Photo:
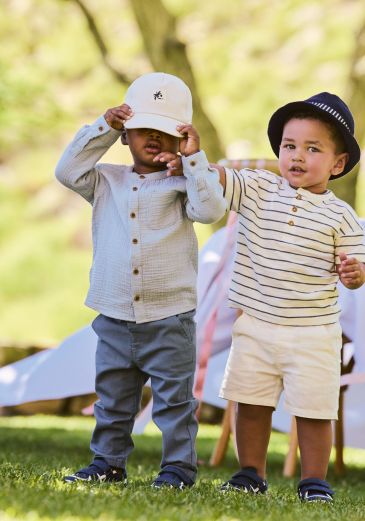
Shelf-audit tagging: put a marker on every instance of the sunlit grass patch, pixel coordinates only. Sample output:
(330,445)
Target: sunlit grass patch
(36,452)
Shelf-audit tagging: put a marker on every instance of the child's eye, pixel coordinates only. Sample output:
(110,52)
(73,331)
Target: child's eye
(313,149)
(289,146)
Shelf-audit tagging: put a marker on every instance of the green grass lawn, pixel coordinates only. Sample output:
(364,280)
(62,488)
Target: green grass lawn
(35,452)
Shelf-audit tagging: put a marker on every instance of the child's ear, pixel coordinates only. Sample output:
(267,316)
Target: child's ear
(123,137)
(340,164)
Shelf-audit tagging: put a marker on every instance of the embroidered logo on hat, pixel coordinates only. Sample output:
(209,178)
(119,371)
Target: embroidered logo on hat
(160,101)
(158,95)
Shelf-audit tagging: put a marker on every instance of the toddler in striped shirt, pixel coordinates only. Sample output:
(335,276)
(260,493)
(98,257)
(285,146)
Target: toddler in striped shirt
(295,241)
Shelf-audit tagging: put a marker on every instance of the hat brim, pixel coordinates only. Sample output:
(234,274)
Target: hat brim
(281,116)
(155,121)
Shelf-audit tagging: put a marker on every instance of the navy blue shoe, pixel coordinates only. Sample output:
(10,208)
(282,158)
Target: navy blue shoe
(172,477)
(247,481)
(98,471)
(315,490)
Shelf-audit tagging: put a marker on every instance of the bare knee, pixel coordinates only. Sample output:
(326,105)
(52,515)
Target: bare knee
(254,412)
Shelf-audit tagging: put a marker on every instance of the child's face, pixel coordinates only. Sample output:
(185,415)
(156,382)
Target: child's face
(145,144)
(307,156)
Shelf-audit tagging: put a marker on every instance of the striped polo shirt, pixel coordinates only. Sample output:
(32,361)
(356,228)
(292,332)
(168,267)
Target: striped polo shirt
(288,241)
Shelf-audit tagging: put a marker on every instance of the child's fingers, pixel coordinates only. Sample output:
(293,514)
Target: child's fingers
(350,274)
(164,157)
(183,129)
(351,262)
(121,115)
(187,130)
(175,163)
(125,109)
(118,115)
(342,256)
(350,266)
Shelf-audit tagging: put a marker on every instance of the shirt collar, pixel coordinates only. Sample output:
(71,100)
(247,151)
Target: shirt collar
(306,194)
(153,176)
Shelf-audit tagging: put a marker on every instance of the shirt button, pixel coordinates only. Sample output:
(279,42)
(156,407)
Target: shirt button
(299,197)
(294,209)
(291,223)
(136,298)
(135,189)
(135,241)
(142,177)
(101,128)
(192,163)
(132,214)
(135,271)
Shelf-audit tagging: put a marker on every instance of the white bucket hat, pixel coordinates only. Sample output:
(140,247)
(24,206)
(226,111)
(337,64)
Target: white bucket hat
(159,101)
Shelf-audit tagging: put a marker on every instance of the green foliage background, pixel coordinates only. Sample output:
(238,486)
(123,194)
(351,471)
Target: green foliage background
(249,57)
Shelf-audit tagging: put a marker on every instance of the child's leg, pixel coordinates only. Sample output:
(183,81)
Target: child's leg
(119,386)
(315,443)
(252,375)
(168,356)
(253,428)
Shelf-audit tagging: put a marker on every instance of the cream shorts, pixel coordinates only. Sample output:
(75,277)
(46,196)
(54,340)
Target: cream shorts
(304,362)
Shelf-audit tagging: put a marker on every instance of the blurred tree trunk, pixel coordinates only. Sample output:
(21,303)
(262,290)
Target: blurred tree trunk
(168,54)
(345,188)
(100,43)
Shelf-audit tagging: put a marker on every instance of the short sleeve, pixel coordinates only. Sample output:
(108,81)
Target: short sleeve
(350,237)
(237,182)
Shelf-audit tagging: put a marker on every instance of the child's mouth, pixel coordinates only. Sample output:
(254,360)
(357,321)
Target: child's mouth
(296,170)
(153,148)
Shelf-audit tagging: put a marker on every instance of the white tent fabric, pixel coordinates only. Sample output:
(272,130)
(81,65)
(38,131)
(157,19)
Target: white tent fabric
(69,370)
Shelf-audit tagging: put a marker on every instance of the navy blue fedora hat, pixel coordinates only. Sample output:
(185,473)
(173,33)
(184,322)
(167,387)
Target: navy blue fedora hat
(335,110)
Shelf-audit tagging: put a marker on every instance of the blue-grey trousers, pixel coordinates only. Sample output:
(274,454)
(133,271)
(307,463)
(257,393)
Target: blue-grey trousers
(127,355)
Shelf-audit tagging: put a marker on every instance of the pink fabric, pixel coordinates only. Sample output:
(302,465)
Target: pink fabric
(219,285)
(352,378)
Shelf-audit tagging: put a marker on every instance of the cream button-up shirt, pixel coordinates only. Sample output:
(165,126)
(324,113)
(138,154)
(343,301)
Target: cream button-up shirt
(144,246)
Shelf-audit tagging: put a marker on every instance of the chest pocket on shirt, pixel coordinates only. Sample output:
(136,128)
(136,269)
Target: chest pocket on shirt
(163,210)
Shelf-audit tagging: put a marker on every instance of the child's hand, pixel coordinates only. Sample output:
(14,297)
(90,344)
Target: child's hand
(351,272)
(117,116)
(190,143)
(173,163)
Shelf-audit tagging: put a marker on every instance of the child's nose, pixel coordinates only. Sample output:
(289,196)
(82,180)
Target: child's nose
(297,155)
(156,134)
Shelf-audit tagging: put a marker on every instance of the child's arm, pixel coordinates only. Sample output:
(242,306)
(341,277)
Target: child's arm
(205,201)
(76,168)
(175,167)
(350,271)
